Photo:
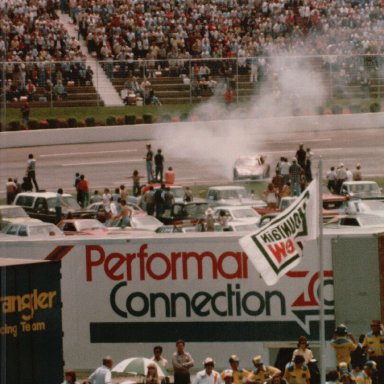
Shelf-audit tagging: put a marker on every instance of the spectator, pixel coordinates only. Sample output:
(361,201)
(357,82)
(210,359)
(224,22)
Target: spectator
(25,110)
(60,91)
(159,166)
(102,375)
(83,187)
(31,171)
(357,174)
(208,375)
(170,176)
(10,188)
(182,361)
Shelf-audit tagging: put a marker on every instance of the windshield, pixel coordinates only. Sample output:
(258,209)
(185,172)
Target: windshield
(244,213)
(195,210)
(13,212)
(44,230)
(364,188)
(233,194)
(70,204)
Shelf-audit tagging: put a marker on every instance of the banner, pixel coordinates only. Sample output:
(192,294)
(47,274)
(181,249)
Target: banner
(275,249)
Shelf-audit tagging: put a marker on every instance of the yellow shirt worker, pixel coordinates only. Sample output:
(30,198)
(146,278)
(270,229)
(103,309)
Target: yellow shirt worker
(374,340)
(238,374)
(262,373)
(296,372)
(343,344)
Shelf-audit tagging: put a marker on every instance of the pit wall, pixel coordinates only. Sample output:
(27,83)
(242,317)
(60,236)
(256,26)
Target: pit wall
(151,131)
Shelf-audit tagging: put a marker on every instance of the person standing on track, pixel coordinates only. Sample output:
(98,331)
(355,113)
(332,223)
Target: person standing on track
(149,163)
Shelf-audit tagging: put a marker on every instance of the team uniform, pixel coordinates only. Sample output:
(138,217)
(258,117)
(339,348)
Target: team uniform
(295,375)
(238,376)
(343,347)
(261,375)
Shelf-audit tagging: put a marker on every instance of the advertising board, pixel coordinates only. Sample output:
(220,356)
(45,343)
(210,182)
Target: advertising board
(121,296)
(30,323)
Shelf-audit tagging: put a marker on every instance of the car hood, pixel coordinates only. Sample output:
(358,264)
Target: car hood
(246,201)
(249,171)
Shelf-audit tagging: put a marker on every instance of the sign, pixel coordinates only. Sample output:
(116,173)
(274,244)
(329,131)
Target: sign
(274,249)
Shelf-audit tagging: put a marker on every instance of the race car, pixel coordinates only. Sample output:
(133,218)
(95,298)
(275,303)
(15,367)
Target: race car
(251,167)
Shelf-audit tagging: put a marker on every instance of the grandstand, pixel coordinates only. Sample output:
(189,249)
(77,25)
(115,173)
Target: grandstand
(188,51)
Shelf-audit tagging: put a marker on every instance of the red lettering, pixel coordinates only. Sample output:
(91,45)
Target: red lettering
(245,265)
(130,258)
(174,257)
(237,257)
(290,246)
(167,263)
(112,263)
(142,255)
(199,259)
(88,259)
(278,251)
(282,249)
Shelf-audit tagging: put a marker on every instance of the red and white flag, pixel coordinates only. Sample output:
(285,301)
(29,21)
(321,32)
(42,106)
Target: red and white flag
(274,250)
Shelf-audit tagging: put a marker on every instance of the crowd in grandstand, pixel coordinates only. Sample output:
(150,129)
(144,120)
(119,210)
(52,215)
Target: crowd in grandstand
(38,47)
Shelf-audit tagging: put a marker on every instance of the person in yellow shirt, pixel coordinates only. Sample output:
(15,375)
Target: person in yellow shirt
(262,373)
(296,372)
(374,345)
(343,343)
(238,374)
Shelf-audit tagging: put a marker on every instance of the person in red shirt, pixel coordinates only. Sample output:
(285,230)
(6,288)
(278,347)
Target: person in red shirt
(170,176)
(83,187)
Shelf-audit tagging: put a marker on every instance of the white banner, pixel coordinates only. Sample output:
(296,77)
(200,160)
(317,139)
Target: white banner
(275,249)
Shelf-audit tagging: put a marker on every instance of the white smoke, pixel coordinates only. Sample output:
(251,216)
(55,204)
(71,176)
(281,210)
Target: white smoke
(293,87)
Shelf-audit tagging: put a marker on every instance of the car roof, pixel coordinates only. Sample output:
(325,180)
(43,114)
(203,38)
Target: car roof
(359,182)
(9,206)
(41,194)
(227,187)
(231,207)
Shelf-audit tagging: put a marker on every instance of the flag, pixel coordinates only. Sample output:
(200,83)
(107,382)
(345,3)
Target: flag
(275,249)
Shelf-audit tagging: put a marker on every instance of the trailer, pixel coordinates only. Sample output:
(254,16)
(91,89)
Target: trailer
(124,294)
(30,322)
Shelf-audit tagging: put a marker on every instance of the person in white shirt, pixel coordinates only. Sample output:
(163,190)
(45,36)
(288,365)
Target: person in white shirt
(102,375)
(303,350)
(208,375)
(157,356)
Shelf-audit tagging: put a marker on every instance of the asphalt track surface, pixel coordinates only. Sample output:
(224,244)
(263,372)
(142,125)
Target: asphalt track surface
(111,164)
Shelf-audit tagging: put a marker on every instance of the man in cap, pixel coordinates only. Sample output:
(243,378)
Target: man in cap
(208,375)
(102,375)
(227,376)
(357,175)
(238,374)
(374,345)
(341,176)
(262,372)
(297,372)
(343,343)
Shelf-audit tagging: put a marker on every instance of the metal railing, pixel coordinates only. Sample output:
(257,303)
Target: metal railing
(177,80)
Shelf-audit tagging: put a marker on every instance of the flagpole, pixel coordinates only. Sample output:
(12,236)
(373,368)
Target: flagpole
(321,277)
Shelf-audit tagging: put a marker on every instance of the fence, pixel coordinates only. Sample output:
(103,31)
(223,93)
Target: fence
(295,80)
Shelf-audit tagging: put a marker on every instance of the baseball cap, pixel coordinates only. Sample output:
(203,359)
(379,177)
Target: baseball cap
(208,360)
